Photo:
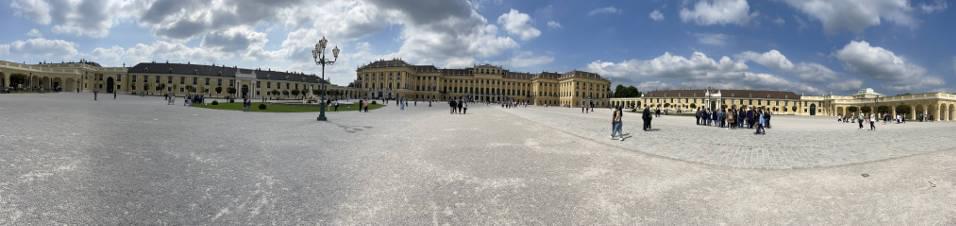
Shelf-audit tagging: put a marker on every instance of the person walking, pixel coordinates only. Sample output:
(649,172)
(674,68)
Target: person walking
(761,120)
(872,122)
(94,94)
(647,116)
(464,107)
(114,94)
(616,124)
(860,121)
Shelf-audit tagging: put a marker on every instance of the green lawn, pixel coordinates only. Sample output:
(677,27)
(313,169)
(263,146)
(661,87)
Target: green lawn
(286,107)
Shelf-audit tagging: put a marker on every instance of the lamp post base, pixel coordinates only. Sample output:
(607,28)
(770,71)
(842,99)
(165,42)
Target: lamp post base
(322,113)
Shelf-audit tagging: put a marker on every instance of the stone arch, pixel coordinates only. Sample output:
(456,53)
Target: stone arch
(841,111)
(3,81)
(57,84)
(943,112)
(813,109)
(110,85)
(19,81)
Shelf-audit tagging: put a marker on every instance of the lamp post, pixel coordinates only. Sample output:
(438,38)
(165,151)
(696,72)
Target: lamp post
(318,55)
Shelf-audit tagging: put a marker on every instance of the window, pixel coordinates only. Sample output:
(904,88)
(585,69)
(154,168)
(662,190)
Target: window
(219,82)
(133,78)
(182,80)
(207,81)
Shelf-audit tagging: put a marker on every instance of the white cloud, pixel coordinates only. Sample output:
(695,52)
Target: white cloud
(39,47)
(714,39)
(884,65)
(529,59)
(771,59)
(605,10)
(699,70)
(34,33)
(722,12)
(554,25)
(854,15)
(779,21)
(656,15)
(234,39)
(936,6)
(90,18)
(774,59)
(517,23)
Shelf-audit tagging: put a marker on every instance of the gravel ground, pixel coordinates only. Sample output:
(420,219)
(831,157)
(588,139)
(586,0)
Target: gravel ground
(69,160)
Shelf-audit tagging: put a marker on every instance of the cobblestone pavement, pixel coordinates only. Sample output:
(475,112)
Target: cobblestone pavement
(793,142)
(69,160)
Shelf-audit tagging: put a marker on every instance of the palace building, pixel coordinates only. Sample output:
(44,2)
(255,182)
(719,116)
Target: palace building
(935,106)
(485,83)
(165,78)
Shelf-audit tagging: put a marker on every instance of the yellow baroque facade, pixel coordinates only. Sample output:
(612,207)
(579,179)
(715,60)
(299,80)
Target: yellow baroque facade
(165,78)
(390,79)
(934,106)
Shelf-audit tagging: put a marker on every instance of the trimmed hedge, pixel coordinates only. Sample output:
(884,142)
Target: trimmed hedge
(215,102)
(262,106)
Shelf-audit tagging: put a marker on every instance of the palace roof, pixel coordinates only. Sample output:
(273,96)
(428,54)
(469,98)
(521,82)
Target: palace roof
(725,93)
(219,71)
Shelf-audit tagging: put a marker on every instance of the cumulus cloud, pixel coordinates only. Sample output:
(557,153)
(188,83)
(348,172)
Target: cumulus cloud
(884,65)
(806,72)
(695,71)
(233,39)
(34,33)
(89,18)
(518,23)
(656,15)
(855,16)
(39,47)
(718,12)
(605,10)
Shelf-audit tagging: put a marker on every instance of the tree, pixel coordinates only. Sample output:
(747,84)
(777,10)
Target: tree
(218,91)
(295,92)
(316,92)
(285,92)
(231,91)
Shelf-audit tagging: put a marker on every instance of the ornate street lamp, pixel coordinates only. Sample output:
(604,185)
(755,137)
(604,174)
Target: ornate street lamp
(318,55)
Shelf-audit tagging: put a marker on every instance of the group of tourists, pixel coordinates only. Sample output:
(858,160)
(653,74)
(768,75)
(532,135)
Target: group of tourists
(458,106)
(617,122)
(587,107)
(513,104)
(363,105)
(735,118)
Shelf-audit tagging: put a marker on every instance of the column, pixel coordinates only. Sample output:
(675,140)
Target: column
(912,115)
(936,116)
(893,111)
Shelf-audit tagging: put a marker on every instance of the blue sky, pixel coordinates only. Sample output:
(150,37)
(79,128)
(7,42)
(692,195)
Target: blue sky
(805,46)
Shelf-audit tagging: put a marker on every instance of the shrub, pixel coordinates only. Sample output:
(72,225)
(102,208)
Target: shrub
(262,106)
(215,102)
(231,100)
(374,102)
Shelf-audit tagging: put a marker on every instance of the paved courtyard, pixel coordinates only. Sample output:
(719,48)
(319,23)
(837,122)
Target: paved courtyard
(65,159)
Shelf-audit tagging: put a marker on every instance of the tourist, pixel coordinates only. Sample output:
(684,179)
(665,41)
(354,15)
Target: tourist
(860,121)
(760,123)
(461,107)
(616,124)
(646,116)
(768,115)
(730,118)
(872,122)
(114,94)
(452,105)
(697,115)
(94,94)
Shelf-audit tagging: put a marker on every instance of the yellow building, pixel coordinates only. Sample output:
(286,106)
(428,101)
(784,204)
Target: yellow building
(391,79)
(936,106)
(166,78)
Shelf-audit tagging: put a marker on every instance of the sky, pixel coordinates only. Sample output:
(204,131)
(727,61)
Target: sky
(811,47)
